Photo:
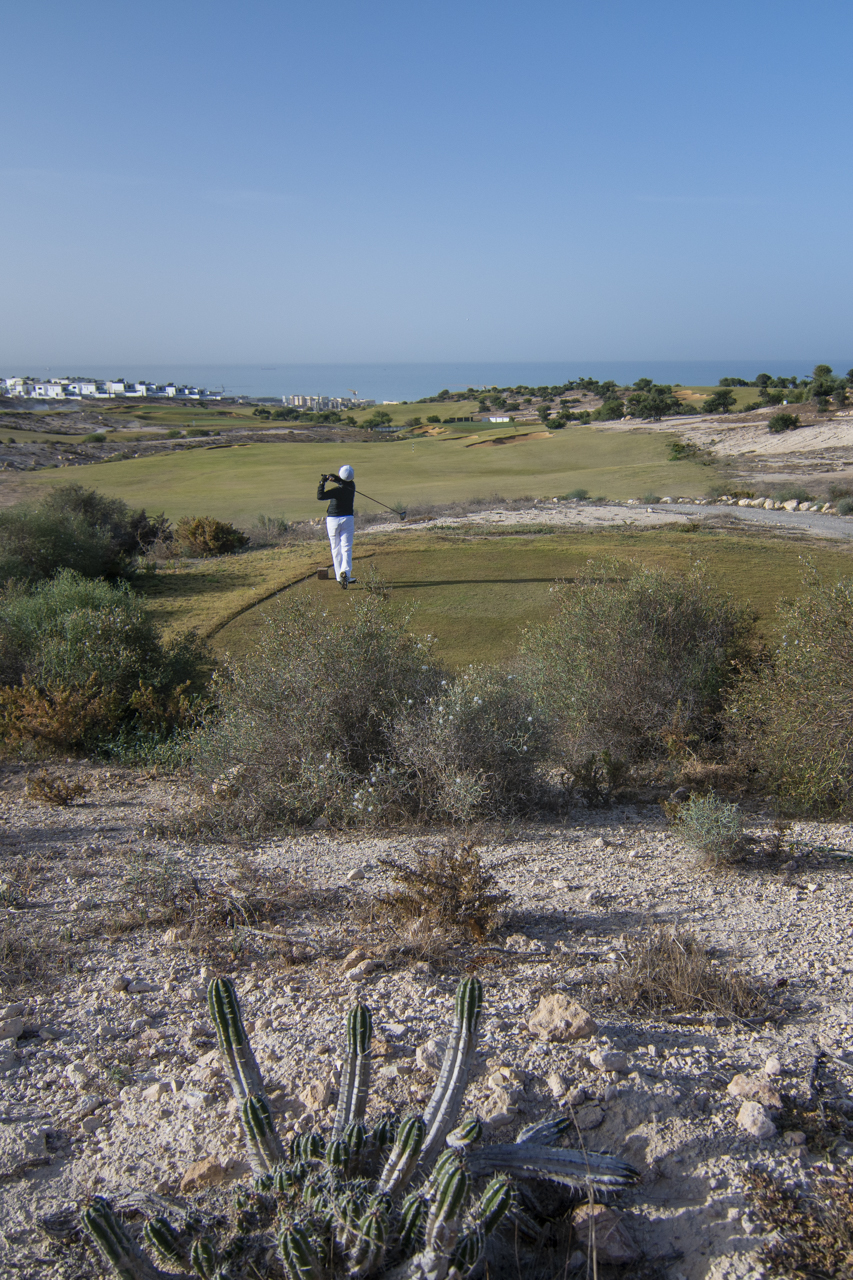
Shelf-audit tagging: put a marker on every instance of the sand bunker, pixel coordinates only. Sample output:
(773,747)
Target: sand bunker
(522,439)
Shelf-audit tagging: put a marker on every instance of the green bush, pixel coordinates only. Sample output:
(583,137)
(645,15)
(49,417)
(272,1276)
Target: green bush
(845,507)
(74,528)
(197,433)
(779,422)
(205,536)
(710,825)
(790,721)
(636,661)
(96,437)
(350,719)
(609,411)
(580,495)
(83,665)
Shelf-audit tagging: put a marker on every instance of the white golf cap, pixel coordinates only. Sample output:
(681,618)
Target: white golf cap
(346,473)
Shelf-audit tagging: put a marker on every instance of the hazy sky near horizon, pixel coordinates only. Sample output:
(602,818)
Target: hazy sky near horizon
(322,180)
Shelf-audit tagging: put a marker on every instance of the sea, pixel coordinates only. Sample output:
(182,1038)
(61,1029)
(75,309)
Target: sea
(393,382)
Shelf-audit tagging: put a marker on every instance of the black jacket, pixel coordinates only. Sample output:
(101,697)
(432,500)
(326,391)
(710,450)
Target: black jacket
(340,497)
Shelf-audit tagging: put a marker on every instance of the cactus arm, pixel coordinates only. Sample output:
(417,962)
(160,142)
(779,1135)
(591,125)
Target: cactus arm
(371,1237)
(116,1245)
(546,1132)
(462,1138)
(448,1203)
(204,1260)
(443,1106)
(263,1144)
(576,1169)
(163,1237)
(243,1071)
(352,1096)
(493,1205)
(299,1255)
(403,1158)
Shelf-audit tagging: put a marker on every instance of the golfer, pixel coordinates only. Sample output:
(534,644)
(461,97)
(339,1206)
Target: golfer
(340,522)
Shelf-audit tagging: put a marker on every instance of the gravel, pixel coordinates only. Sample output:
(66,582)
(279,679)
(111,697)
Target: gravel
(112,1082)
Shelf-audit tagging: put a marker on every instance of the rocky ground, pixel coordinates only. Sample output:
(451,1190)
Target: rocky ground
(110,1081)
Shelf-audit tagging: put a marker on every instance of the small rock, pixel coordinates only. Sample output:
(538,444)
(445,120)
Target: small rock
(795,1138)
(140,985)
(556,1084)
(430,1055)
(196,1099)
(589,1117)
(321,824)
(89,1104)
(606,1230)
(773,1067)
(578,1259)
(178,934)
(609,1060)
(121,983)
(204,1173)
(753,1119)
(49,1033)
(558,1018)
(355,875)
(77,1074)
(317,1095)
(757,1088)
(11,1011)
(11,1028)
(155,1092)
(355,957)
(362,970)
(577,1096)
(139,1024)
(91,1124)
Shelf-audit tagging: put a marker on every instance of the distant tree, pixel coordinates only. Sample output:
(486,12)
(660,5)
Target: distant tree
(656,402)
(610,411)
(433,417)
(544,412)
(643,384)
(821,373)
(733,382)
(720,401)
(763,380)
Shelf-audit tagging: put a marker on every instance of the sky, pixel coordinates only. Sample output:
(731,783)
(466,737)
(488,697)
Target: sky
(468,180)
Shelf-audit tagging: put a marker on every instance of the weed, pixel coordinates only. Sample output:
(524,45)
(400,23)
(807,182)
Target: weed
(812,1233)
(55,790)
(712,826)
(650,497)
(665,971)
(596,779)
(447,888)
(579,495)
(845,506)
(376,585)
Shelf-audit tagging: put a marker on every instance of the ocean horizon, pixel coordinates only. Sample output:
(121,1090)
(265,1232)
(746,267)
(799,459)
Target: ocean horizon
(400,381)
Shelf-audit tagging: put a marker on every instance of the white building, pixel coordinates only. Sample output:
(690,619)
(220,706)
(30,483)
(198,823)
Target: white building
(48,391)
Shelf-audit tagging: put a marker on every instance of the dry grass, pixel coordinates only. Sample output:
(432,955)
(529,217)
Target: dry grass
(666,971)
(447,889)
(813,1233)
(55,790)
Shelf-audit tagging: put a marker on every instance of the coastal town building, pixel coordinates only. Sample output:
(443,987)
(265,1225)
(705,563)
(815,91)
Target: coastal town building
(91,389)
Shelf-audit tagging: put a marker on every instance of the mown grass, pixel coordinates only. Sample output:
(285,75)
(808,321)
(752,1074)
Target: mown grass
(475,593)
(281,479)
(697,395)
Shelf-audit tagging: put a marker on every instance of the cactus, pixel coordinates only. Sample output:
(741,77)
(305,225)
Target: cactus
(396,1202)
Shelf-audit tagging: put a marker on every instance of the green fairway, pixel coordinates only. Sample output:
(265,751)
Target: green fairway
(237,482)
(475,593)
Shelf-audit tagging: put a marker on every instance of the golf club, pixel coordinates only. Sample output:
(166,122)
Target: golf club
(401,514)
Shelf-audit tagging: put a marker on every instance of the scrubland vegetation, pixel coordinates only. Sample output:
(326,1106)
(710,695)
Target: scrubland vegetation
(641,676)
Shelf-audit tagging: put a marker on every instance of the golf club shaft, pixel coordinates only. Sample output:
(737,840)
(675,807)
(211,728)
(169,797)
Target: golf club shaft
(376,500)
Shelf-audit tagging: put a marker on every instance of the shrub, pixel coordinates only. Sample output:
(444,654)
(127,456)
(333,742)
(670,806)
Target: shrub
(74,528)
(196,433)
(96,437)
(665,970)
(609,411)
(638,666)
(205,536)
(791,716)
(351,719)
(710,825)
(579,495)
(447,888)
(84,666)
(778,422)
(845,507)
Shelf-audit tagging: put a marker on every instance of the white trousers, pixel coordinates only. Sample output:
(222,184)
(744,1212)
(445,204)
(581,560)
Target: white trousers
(340,531)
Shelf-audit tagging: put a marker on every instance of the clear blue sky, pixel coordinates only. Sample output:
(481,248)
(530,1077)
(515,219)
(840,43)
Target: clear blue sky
(475,179)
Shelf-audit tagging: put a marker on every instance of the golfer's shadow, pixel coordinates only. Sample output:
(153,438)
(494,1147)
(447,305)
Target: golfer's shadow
(471,582)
